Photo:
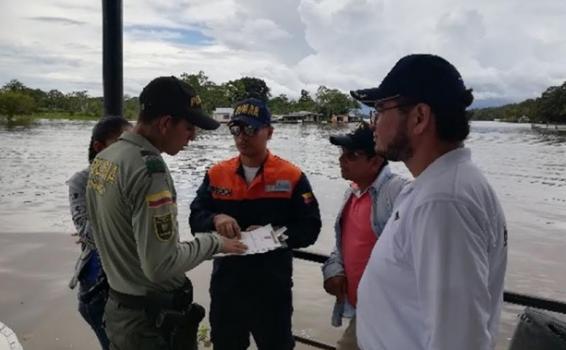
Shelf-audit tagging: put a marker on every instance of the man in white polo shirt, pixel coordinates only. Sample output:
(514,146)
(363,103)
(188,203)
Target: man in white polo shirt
(435,280)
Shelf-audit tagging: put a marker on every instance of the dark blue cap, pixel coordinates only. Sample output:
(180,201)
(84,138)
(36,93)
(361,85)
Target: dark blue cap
(423,77)
(359,139)
(252,111)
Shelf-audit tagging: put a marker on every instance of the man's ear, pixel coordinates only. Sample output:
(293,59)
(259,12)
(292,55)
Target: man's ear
(269,132)
(422,118)
(164,123)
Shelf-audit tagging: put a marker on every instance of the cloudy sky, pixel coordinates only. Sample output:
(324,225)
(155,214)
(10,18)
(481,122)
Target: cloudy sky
(506,50)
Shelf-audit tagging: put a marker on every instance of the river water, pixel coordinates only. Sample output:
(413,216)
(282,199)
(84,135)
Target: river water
(527,170)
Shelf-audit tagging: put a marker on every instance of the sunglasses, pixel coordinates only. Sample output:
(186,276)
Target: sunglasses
(248,130)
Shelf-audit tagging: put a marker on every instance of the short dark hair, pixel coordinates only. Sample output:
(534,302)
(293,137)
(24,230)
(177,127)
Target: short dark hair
(452,123)
(103,130)
(369,152)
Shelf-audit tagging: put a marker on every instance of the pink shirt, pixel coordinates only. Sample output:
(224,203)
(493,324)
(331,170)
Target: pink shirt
(358,240)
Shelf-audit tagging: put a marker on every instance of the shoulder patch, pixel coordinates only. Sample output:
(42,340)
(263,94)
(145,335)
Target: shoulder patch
(221,191)
(163,226)
(155,166)
(308,197)
(153,162)
(159,199)
(102,172)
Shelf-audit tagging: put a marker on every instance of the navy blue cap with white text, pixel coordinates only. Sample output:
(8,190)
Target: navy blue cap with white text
(252,111)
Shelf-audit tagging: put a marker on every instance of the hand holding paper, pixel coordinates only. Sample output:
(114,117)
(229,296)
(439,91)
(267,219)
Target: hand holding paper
(261,240)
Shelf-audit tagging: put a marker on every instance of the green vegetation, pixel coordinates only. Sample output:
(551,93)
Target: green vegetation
(550,107)
(326,101)
(203,336)
(14,103)
(19,102)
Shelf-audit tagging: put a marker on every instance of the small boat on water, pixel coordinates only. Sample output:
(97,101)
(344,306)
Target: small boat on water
(556,129)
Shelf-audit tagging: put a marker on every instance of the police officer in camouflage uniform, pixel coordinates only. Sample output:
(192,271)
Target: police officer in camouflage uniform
(131,202)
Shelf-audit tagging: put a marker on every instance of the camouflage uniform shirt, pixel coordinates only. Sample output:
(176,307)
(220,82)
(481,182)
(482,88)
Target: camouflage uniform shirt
(131,203)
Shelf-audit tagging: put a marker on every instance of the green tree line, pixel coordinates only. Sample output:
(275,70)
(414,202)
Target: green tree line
(549,107)
(16,99)
(325,101)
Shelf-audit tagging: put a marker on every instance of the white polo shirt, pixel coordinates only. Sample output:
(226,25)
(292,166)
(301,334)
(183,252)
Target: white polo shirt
(435,280)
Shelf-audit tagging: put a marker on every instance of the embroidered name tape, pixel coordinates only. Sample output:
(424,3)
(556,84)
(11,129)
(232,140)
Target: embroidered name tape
(279,186)
(247,109)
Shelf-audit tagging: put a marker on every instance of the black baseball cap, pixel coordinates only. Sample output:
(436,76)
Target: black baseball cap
(252,111)
(359,139)
(172,96)
(423,77)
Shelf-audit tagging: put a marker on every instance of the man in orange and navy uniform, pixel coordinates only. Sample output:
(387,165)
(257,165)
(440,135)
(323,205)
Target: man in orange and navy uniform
(252,293)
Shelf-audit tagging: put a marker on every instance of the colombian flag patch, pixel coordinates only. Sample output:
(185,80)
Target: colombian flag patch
(159,199)
(308,197)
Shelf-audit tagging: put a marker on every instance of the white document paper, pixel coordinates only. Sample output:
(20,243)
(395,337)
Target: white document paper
(260,240)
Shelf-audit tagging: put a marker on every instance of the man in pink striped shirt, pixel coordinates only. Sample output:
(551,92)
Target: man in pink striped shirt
(367,205)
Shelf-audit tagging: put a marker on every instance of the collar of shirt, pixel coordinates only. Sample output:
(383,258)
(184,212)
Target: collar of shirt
(356,190)
(250,173)
(263,168)
(380,179)
(441,164)
(140,141)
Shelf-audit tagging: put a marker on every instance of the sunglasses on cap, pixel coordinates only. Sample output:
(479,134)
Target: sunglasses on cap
(248,130)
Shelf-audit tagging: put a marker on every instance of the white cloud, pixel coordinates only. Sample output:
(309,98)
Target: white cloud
(505,50)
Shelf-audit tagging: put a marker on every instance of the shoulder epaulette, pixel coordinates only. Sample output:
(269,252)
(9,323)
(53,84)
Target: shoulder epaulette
(153,162)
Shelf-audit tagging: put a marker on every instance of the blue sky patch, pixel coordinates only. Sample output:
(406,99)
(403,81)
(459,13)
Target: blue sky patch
(177,35)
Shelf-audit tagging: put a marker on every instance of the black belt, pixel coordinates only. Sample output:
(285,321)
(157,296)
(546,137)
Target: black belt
(178,299)
(128,300)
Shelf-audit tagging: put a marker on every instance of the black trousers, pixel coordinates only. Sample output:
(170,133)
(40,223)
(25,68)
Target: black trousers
(92,310)
(261,307)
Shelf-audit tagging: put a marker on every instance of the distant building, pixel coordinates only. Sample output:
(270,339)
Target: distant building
(339,119)
(356,115)
(276,118)
(222,114)
(353,116)
(301,117)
